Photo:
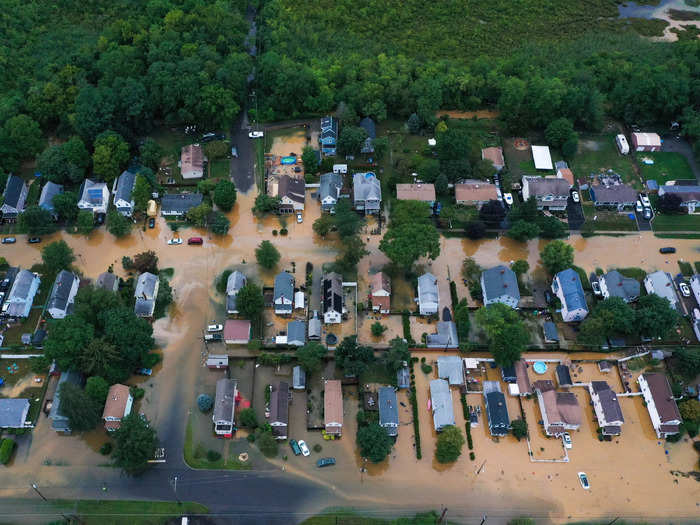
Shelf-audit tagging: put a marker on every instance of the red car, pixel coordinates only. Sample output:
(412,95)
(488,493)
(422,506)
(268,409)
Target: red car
(195,240)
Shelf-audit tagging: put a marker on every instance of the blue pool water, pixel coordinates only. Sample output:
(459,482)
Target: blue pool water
(540,367)
(288,160)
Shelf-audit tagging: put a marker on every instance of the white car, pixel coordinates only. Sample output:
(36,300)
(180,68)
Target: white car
(584,480)
(575,197)
(300,219)
(638,207)
(596,287)
(508,197)
(175,241)
(215,328)
(645,200)
(304,449)
(685,289)
(255,134)
(696,314)
(566,439)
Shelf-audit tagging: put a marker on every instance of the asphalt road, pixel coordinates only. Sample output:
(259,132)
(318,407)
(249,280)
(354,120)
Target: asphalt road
(243,167)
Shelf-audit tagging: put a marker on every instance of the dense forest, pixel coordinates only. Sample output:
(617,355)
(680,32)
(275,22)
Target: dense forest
(85,67)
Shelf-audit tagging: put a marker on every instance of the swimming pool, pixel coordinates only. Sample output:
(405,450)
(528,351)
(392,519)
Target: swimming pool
(540,367)
(288,160)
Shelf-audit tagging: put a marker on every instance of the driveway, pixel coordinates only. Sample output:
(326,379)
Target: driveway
(671,143)
(574,213)
(688,303)
(643,224)
(243,167)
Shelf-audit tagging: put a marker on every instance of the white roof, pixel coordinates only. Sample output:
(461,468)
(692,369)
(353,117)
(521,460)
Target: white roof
(647,139)
(299,299)
(432,142)
(543,160)
(470,363)
(513,389)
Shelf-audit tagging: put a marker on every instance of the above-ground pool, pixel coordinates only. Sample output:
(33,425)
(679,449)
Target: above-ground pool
(288,160)
(540,367)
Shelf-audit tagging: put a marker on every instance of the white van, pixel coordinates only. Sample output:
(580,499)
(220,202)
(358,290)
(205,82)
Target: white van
(622,144)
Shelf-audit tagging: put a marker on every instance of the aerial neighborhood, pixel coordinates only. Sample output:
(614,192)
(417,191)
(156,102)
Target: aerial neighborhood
(453,282)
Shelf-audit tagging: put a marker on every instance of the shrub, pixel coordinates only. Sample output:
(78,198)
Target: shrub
(284,231)
(106,449)
(378,329)
(686,268)
(426,368)
(406,320)
(137,392)
(213,455)
(449,445)
(268,444)
(204,402)
(222,281)
(317,448)
(453,294)
(247,418)
(274,233)
(7,447)
(472,456)
(251,438)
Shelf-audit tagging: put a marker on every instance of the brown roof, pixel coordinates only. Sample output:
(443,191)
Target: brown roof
(191,158)
(567,174)
(279,403)
(415,192)
(380,281)
(568,407)
(236,329)
(663,397)
(522,378)
(543,385)
(333,402)
(117,398)
(495,155)
(475,190)
(291,188)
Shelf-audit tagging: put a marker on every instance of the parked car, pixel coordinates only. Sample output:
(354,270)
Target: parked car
(596,287)
(255,134)
(234,152)
(175,241)
(34,240)
(566,439)
(638,207)
(548,297)
(152,222)
(208,137)
(9,240)
(584,480)
(647,214)
(685,289)
(575,197)
(195,240)
(696,314)
(213,338)
(300,219)
(295,447)
(215,327)
(325,462)
(304,449)
(645,200)
(100,219)
(297,169)
(508,197)
(144,371)
(667,249)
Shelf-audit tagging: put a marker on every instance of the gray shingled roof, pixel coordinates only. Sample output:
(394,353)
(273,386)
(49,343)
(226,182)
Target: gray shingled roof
(330,185)
(332,289)
(179,203)
(441,402)
(296,333)
(388,409)
(446,337)
(125,185)
(366,187)
(59,421)
(619,193)
(60,293)
(284,287)
(450,368)
(620,286)
(550,331)
(146,285)
(279,403)
(498,281)
(235,282)
(608,401)
(571,286)
(298,378)
(427,288)
(293,189)
(13,412)
(107,281)
(13,192)
(225,399)
(48,192)
(22,294)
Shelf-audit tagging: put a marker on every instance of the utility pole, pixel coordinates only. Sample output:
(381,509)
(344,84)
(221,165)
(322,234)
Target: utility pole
(613,521)
(483,519)
(68,520)
(441,519)
(173,484)
(36,489)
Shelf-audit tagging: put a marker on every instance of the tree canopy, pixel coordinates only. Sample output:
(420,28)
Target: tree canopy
(506,333)
(56,256)
(374,443)
(352,357)
(310,356)
(557,256)
(82,411)
(449,444)
(250,301)
(225,194)
(136,443)
(267,255)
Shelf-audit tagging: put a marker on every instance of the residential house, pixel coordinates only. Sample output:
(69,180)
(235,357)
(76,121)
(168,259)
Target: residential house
(333,407)
(618,196)
(522,379)
(279,409)
(500,285)
(428,294)
(59,421)
(695,287)
(107,281)
(332,302)
(388,410)
(403,377)
(13,413)
(551,334)
(329,136)
(494,155)
(146,293)
(380,292)
(496,410)
(449,367)
(117,406)
(225,407)
(416,192)
(689,195)
(236,280)
(94,196)
(314,327)
(441,404)
(661,284)
(292,194)
(15,197)
(563,376)
(236,332)
(217,361)
(445,337)
(298,378)
(607,408)
(48,192)
(63,294)
(18,302)
(560,410)
(330,186)
(122,189)
(367,193)
(646,142)
(369,126)
(192,161)
(568,288)
(542,157)
(566,174)
(283,295)
(614,284)
(475,193)
(663,411)
(296,333)
(176,205)
(299,300)
(550,193)
(508,374)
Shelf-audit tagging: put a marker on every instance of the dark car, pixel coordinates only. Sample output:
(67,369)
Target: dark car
(34,240)
(647,214)
(548,297)
(325,462)
(100,219)
(295,447)
(667,249)
(208,137)
(152,222)
(9,240)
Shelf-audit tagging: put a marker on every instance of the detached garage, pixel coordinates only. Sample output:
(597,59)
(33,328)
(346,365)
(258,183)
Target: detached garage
(646,142)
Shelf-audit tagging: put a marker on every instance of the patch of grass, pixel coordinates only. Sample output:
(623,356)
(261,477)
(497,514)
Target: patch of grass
(114,512)
(606,220)
(377,373)
(677,235)
(647,26)
(667,166)
(679,223)
(219,169)
(23,369)
(686,268)
(196,456)
(633,273)
(349,517)
(597,154)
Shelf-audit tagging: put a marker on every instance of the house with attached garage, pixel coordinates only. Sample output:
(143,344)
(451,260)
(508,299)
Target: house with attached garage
(145,293)
(428,294)
(614,284)
(617,196)
(388,410)
(225,407)
(560,410)
(551,193)
(62,295)
(94,196)
(500,285)
(449,367)
(291,193)
(330,186)
(332,301)
(283,294)
(475,193)
(416,192)
(234,283)
(279,409)
(122,189)
(607,408)
(48,192)
(107,281)
(661,284)
(15,197)
(176,205)
(192,161)
(118,406)
(371,129)
(662,407)
(367,193)
(445,337)
(689,195)
(329,136)
(13,413)
(18,302)
(380,292)
(568,288)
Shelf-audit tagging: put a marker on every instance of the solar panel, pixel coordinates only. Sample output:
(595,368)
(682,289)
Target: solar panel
(95,195)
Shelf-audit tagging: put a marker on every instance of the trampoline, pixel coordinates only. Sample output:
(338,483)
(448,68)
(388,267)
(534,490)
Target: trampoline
(540,367)
(331,339)
(288,160)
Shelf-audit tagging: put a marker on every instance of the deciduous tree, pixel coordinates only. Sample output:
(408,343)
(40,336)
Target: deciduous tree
(655,317)
(66,206)
(97,389)
(136,443)
(118,225)
(249,301)
(506,333)
(267,255)
(110,156)
(225,195)
(56,256)
(405,244)
(557,256)
(82,411)
(37,221)
(146,262)
(449,444)
(374,442)
(523,231)
(310,356)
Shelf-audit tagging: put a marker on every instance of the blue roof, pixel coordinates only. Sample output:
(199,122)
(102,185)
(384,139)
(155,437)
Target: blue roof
(652,184)
(388,409)
(550,331)
(572,289)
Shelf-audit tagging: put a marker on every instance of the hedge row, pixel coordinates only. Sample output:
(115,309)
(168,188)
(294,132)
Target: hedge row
(406,320)
(453,295)
(7,447)
(467,425)
(414,406)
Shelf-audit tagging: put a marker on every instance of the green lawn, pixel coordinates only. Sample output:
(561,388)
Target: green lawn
(117,512)
(349,517)
(679,223)
(667,166)
(597,154)
(196,455)
(219,169)
(22,370)
(608,220)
